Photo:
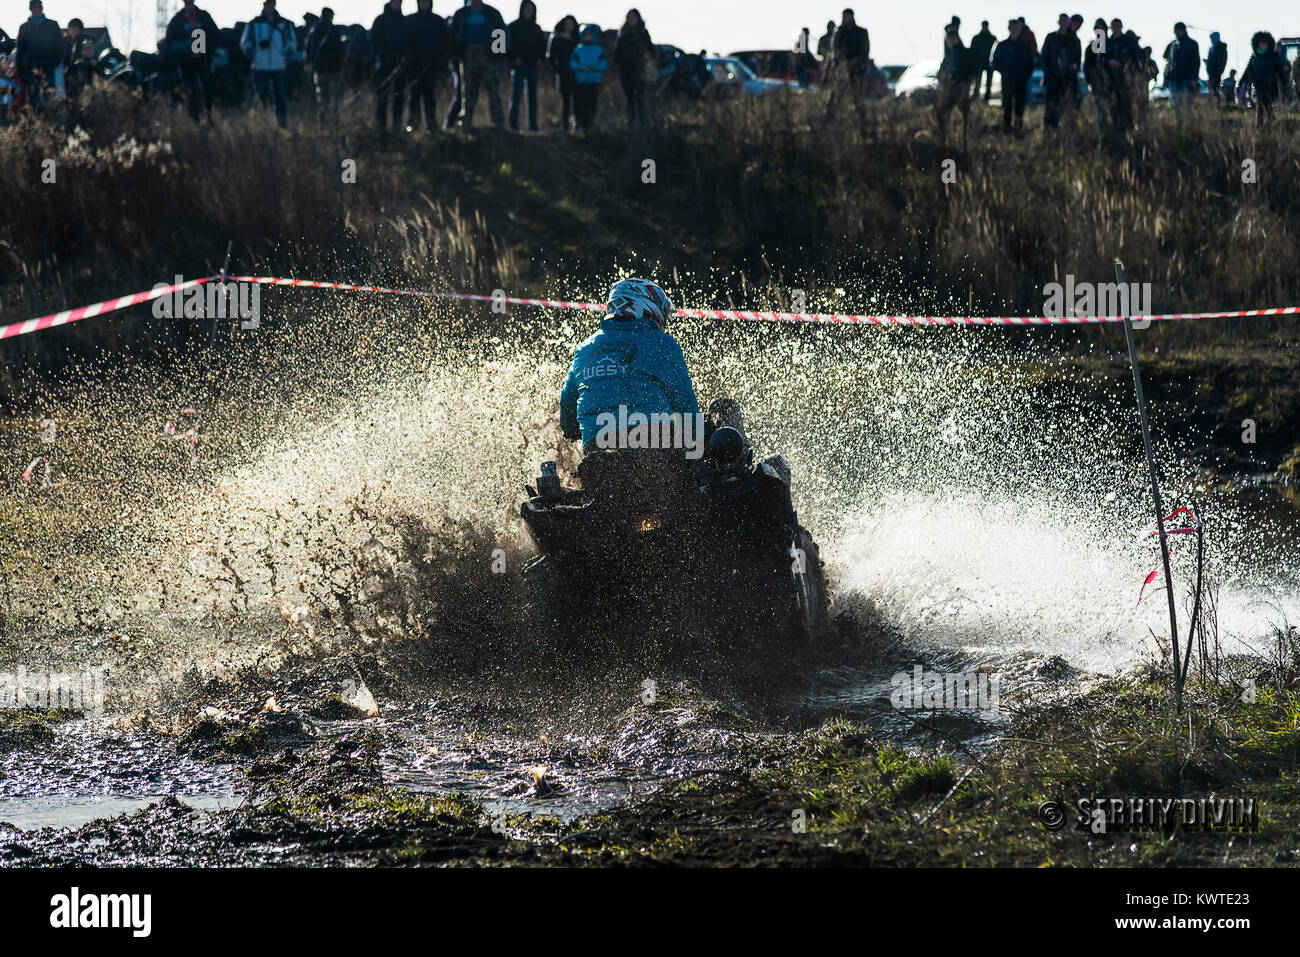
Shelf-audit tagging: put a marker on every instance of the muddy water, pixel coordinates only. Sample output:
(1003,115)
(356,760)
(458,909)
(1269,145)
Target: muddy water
(975,514)
(92,770)
(89,771)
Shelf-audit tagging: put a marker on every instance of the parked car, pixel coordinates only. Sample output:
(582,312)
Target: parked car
(778,65)
(1160,92)
(99,37)
(892,73)
(665,54)
(730,77)
(919,79)
(1037,91)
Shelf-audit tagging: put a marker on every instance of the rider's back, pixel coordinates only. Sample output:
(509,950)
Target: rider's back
(629,366)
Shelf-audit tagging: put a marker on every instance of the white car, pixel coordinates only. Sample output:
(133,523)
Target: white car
(1158,91)
(892,74)
(921,77)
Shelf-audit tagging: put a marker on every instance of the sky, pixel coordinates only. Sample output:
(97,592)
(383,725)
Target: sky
(901,33)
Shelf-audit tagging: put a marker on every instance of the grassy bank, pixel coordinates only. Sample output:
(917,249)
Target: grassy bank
(748,200)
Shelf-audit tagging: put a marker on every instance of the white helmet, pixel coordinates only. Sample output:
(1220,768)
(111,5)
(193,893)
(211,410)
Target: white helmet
(639,299)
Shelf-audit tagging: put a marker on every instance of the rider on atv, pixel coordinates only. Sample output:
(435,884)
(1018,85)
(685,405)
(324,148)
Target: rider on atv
(628,387)
(754,571)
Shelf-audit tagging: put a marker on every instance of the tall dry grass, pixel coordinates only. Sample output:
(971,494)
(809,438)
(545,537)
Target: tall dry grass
(838,201)
(141,193)
(756,196)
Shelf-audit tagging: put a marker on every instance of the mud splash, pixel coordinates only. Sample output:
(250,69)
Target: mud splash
(353,500)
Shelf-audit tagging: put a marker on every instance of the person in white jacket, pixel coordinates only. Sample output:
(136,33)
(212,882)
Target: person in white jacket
(270,43)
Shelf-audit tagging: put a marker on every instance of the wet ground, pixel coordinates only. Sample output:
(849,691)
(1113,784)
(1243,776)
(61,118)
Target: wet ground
(495,751)
(307,658)
(228,750)
(279,777)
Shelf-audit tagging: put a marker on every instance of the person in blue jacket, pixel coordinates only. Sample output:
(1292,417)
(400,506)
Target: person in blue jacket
(630,367)
(589,63)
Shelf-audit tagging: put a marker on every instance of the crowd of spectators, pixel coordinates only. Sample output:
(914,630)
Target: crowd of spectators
(1113,67)
(407,62)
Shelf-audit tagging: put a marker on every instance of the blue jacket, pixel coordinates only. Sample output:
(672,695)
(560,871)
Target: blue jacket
(627,362)
(588,63)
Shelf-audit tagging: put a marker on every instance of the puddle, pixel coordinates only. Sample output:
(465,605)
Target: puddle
(90,772)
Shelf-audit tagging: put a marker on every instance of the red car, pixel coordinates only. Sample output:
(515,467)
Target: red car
(782,65)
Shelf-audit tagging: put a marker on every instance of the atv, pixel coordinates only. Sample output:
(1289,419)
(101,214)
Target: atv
(711,546)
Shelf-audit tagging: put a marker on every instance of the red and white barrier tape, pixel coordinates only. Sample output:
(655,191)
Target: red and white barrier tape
(747,315)
(112,305)
(46,478)
(96,309)
(466,297)
(28,472)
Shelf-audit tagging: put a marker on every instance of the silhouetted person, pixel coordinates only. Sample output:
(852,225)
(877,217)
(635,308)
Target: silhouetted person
(1142,71)
(850,55)
(558,51)
(40,51)
(189,42)
(80,66)
(957,72)
(391,43)
(981,51)
(8,85)
(527,49)
(1094,69)
(269,42)
(1228,88)
(1013,59)
(325,59)
(480,41)
(589,64)
(636,57)
(426,69)
(1027,37)
(1267,74)
(1062,60)
(1079,91)
(805,64)
(1215,63)
(358,56)
(1118,66)
(825,43)
(1184,68)
(953,27)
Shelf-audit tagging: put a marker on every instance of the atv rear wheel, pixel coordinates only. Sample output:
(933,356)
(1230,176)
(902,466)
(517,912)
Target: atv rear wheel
(808,583)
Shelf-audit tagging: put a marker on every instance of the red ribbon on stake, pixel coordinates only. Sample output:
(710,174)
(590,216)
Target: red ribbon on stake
(1182,530)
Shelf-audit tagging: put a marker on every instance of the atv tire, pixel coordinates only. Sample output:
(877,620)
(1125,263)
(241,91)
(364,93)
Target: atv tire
(807,577)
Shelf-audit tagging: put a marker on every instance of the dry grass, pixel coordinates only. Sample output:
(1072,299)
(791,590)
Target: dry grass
(757,197)
(1170,201)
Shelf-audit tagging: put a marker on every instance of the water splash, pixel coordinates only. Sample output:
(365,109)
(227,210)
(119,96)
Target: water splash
(355,479)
